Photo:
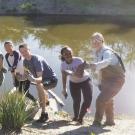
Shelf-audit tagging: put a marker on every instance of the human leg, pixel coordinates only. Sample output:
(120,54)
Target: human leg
(41,94)
(87,96)
(76,96)
(26,86)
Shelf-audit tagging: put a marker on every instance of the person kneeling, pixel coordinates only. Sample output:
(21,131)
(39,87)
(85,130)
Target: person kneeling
(41,74)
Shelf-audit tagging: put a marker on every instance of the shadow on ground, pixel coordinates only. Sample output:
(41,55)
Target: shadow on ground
(71,129)
(84,130)
(49,125)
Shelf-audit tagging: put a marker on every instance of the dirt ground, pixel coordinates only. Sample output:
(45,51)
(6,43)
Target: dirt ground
(61,124)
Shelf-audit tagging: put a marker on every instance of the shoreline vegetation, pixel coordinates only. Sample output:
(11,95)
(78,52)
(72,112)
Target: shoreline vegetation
(126,20)
(70,7)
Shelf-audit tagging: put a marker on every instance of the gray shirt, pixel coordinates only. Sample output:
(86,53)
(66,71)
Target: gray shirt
(39,64)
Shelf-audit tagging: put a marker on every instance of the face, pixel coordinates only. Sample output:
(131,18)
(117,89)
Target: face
(96,44)
(25,52)
(8,47)
(67,54)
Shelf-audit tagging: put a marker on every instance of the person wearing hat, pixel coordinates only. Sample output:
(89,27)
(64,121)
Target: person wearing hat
(111,78)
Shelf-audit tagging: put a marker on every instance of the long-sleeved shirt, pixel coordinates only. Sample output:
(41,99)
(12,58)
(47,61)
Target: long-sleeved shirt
(104,58)
(15,62)
(12,60)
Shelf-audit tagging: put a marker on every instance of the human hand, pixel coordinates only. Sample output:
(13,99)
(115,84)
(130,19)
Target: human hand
(31,78)
(4,70)
(80,70)
(10,68)
(93,67)
(68,72)
(64,93)
(18,76)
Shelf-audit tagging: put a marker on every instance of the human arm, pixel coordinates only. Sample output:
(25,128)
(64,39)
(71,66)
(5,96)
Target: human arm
(105,61)
(1,61)
(16,59)
(64,80)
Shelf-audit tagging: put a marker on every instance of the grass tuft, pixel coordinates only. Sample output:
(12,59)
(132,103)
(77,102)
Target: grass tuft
(12,111)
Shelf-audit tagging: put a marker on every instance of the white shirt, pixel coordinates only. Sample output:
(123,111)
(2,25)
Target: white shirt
(73,66)
(20,68)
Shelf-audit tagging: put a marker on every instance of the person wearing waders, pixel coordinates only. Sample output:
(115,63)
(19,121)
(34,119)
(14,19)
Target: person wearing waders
(111,78)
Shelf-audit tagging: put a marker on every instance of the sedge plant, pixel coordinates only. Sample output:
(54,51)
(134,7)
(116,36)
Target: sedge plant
(12,111)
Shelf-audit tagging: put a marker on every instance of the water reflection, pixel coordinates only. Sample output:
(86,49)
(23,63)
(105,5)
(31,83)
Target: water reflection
(46,35)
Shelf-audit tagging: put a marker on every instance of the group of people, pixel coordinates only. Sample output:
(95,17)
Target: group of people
(27,68)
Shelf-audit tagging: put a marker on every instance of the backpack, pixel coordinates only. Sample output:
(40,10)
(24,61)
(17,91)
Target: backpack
(119,59)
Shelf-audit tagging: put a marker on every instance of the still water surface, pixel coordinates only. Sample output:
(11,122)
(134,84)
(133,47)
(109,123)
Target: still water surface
(46,35)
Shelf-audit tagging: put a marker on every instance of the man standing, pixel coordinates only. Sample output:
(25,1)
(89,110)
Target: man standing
(42,75)
(111,78)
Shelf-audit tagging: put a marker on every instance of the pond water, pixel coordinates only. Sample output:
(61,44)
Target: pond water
(47,34)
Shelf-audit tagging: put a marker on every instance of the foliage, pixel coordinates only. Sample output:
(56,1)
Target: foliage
(12,112)
(26,6)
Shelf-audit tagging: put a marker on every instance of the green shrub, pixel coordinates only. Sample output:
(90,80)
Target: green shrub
(12,112)
(27,6)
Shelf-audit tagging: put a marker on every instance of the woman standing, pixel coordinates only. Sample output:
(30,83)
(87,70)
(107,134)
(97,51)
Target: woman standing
(111,78)
(77,84)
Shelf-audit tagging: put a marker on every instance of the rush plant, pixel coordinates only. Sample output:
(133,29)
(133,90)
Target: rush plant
(12,111)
